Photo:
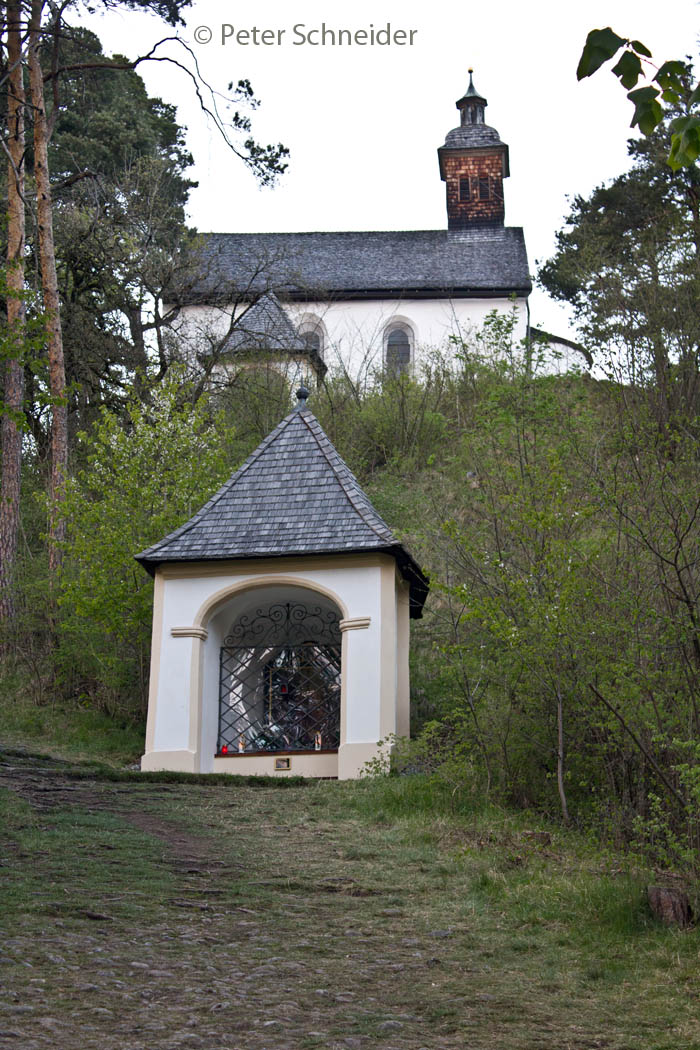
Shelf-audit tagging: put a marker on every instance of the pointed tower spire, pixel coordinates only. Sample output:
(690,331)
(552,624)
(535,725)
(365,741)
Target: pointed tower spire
(471,105)
(473,163)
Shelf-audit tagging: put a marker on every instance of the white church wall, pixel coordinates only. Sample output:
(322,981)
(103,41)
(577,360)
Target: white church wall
(354,332)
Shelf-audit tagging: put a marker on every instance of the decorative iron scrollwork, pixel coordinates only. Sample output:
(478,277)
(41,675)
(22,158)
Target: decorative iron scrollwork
(286,622)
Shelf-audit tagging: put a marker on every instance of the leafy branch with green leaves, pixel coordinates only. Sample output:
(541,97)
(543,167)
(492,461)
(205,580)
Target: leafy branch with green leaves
(670,85)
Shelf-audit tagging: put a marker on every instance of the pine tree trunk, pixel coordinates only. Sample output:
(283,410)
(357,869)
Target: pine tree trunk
(14,372)
(49,285)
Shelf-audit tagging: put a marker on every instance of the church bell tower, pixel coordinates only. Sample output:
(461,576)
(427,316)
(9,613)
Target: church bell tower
(473,164)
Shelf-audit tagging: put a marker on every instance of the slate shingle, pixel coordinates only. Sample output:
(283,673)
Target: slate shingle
(467,136)
(294,495)
(265,326)
(487,261)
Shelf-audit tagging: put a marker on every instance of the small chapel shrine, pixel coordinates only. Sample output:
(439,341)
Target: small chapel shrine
(281,620)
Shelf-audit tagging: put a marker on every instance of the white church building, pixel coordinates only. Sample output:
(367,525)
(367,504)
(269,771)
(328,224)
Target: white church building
(365,301)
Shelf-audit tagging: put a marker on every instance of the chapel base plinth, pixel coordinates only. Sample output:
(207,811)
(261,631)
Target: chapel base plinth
(176,761)
(322,766)
(353,757)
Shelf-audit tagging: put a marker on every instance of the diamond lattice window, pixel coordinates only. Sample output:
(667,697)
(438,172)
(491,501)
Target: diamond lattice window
(280,681)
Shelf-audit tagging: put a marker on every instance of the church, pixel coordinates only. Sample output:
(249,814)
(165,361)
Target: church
(282,607)
(366,302)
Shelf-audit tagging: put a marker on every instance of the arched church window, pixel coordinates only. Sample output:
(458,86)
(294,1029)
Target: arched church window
(398,350)
(312,335)
(312,340)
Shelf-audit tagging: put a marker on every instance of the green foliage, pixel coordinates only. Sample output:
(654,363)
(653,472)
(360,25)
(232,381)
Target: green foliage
(627,261)
(558,662)
(67,729)
(119,166)
(257,395)
(560,529)
(143,477)
(628,69)
(25,346)
(397,421)
(648,114)
(121,162)
(601,45)
(169,10)
(673,88)
(106,120)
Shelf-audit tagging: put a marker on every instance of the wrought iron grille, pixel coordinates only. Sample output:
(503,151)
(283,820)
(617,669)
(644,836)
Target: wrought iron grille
(280,681)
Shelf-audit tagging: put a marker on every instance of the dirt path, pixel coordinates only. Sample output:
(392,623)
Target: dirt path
(155,916)
(250,942)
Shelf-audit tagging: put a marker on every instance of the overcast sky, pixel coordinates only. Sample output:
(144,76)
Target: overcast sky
(363,123)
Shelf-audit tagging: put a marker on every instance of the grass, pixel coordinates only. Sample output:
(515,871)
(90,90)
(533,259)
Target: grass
(73,849)
(68,730)
(270,915)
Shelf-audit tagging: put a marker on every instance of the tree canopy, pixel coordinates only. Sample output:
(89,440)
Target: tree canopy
(106,119)
(668,85)
(628,261)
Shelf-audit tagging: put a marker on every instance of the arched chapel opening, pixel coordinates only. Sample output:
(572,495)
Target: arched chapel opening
(280,670)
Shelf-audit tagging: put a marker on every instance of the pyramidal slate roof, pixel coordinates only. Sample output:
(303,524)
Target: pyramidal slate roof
(265,326)
(294,495)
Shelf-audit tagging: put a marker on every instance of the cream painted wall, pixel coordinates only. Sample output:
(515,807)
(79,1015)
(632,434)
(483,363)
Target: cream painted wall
(354,332)
(199,603)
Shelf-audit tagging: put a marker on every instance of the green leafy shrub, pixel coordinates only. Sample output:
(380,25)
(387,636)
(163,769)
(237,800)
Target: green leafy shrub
(144,476)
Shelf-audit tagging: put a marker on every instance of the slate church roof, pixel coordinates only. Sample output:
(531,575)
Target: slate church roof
(294,495)
(478,263)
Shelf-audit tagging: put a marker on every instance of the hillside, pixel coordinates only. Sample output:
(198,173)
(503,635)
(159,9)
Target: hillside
(558,663)
(152,912)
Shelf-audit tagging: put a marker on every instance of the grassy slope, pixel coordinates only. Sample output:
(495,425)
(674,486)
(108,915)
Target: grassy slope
(68,730)
(322,915)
